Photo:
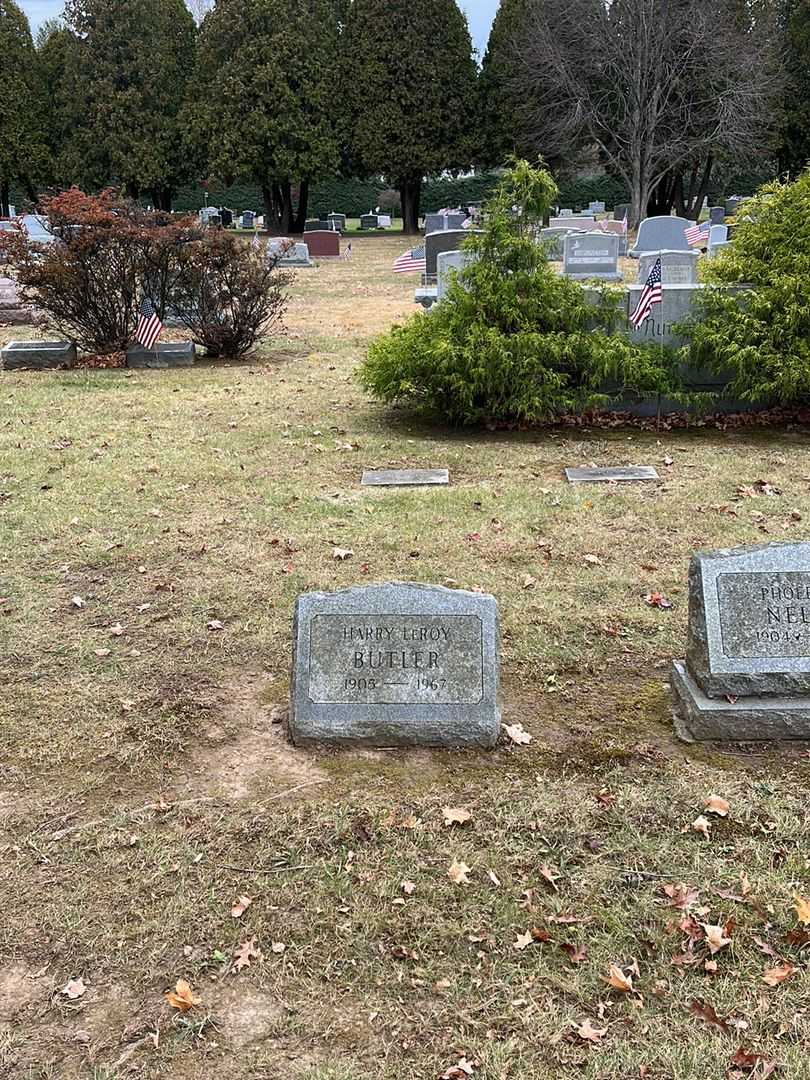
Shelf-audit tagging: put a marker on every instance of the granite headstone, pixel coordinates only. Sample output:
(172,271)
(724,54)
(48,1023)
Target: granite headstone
(395,665)
(677,267)
(591,255)
(663,233)
(747,669)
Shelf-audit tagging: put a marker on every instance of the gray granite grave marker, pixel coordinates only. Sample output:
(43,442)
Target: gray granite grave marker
(404,477)
(621,474)
(747,670)
(395,665)
(166,354)
(38,355)
(677,267)
(662,233)
(591,255)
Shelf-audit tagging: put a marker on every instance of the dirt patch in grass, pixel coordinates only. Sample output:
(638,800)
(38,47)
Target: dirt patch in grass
(248,754)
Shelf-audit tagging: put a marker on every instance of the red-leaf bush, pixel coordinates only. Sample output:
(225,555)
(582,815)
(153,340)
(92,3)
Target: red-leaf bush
(109,254)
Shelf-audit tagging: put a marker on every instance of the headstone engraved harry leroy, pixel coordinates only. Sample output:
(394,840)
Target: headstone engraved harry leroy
(397,664)
(747,671)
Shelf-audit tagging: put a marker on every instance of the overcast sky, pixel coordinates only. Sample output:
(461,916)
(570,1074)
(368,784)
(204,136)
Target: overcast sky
(479,12)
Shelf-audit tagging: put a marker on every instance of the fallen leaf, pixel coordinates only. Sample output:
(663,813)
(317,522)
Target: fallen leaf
(77,602)
(523,940)
(341,554)
(716,804)
(548,875)
(457,872)
(658,600)
(245,952)
(458,1072)
(575,953)
(705,1012)
(702,825)
(516,733)
(764,947)
(746,1059)
(588,1033)
(618,980)
(802,906)
(493,877)
(529,582)
(74,988)
(102,652)
(215,624)
(681,896)
(776,975)
(407,887)
(241,906)
(278,947)
(592,560)
(454,815)
(539,934)
(182,997)
(117,630)
(716,937)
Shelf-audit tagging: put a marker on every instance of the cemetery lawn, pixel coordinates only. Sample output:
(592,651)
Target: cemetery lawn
(156,528)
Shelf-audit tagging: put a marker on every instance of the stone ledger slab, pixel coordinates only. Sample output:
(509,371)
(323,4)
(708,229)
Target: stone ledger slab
(395,665)
(749,620)
(168,354)
(38,355)
(616,475)
(404,477)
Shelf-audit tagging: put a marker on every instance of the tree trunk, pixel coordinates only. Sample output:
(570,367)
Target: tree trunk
(691,204)
(162,198)
(267,199)
(4,197)
(410,192)
(303,206)
(287,222)
(664,195)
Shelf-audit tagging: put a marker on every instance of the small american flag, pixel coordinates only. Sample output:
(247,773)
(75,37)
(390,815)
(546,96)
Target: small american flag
(255,242)
(652,293)
(697,235)
(411,261)
(149,326)
(347,254)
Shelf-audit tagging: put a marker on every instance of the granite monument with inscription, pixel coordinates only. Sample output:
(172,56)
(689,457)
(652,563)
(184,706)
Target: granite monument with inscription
(747,669)
(395,665)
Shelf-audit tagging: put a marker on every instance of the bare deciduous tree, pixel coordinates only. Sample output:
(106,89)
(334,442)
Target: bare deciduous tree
(659,86)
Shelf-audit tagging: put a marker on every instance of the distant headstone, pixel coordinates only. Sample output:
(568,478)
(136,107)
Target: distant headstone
(288,253)
(553,237)
(395,665)
(596,207)
(323,243)
(337,221)
(662,233)
(718,238)
(582,222)
(167,354)
(677,267)
(38,355)
(622,474)
(405,477)
(447,240)
(566,213)
(368,221)
(317,225)
(383,221)
(247,220)
(733,205)
(591,255)
(447,261)
(747,670)
(717,215)
(621,211)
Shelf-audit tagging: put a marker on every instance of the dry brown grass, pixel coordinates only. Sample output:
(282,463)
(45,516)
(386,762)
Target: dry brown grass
(143,789)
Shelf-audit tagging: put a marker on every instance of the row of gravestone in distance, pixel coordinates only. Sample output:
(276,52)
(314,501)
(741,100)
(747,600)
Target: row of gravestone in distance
(408,664)
(50,355)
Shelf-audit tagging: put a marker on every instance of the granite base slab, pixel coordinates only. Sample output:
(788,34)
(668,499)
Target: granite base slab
(168,354)
(405,477)
(700,718)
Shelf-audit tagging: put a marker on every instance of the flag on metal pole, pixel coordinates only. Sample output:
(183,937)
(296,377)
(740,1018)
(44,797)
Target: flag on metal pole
(651,294)
(255,241)
(697,235)
(411,261)
(149,326)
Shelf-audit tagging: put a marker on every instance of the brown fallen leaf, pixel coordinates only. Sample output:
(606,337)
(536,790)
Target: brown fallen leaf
(716,937)
(539,934)
(776,975)
(575,953)
(516,733)
(588,1033)
(802,906)
(705,1012)
(764,947)
(681,896)
(750,1060)
(716,804)
(658,600)
(458,872)
(182,997)
(618,980)
(240,906)
(548,875)
(463,1069)
(702,825)
(74,988)
(455,815)
(245,952)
